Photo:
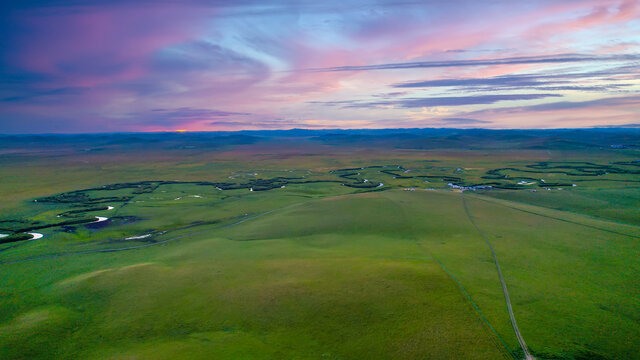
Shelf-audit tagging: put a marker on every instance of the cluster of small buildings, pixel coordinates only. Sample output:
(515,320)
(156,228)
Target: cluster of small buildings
(474,188)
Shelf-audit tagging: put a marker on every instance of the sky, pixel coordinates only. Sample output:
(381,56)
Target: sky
(83,66)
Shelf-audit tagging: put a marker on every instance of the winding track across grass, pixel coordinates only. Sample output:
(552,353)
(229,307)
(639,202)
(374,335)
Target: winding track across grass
(523,345)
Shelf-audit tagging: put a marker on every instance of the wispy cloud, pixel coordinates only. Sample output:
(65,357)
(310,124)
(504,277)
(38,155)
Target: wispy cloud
(438,101)
(462,121)
(281,124)
(566,105)
(547,59)
(45,95)
(180,116)
(549,81)
(614,111)
(98,65)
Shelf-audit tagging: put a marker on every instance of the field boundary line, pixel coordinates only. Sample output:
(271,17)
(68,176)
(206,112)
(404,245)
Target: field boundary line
(494,201)
(466,294)
(460,287)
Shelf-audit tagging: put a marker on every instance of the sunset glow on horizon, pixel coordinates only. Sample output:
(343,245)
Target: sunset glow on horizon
(110,66)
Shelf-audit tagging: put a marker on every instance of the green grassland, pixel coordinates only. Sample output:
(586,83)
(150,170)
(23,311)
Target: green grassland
(282,250)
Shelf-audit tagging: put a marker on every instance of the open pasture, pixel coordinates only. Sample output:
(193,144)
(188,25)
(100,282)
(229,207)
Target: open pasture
(232,254)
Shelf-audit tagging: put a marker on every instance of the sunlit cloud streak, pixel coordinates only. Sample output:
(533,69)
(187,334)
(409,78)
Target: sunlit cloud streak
(462,121)
(553,59)
(440,101)
(566,105)
(521,80)
(182,116)
(615,111)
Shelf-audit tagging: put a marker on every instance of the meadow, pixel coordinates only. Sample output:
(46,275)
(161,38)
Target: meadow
(294,247)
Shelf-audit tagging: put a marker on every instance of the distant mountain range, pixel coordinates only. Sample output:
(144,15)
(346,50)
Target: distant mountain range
(428,138)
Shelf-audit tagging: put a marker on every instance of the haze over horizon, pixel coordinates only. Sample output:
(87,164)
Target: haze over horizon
(133,66)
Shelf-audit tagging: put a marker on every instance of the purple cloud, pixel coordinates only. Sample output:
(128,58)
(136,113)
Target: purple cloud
(443,101)
(567,105)
(181,116)
(554,59)
(89,65)
(463,121)
(280,124)
(529,81)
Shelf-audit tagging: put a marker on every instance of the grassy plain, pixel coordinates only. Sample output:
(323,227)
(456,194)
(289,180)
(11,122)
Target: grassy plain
(317,269)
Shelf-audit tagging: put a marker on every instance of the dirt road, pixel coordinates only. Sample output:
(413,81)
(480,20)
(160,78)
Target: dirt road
(523,345)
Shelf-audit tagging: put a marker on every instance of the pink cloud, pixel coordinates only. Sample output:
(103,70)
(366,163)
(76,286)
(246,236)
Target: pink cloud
(106,61)
(598,14)
(606,111)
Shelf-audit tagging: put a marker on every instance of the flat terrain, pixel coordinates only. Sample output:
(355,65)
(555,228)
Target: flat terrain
(308,248)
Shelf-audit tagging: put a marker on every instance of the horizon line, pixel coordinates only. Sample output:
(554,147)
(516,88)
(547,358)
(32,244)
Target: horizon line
(603,127)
